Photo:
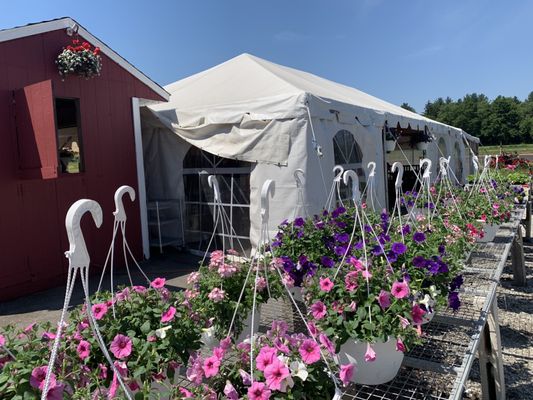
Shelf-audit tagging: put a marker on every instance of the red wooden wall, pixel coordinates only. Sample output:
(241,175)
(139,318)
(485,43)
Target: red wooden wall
(33,209)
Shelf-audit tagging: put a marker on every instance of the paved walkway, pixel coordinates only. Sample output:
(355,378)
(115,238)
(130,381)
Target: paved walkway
(47,305)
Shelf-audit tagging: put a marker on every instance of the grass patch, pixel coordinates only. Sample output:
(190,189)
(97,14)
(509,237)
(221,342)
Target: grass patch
(510,148)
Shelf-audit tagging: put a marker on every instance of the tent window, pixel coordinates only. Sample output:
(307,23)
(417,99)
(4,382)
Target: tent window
(234,180)
(68,135)
(443,151)
(348,154)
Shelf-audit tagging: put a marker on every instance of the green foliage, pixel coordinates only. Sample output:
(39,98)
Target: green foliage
(504,120)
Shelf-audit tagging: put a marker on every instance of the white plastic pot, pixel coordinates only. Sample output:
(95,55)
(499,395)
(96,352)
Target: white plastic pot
(489,231)
(383,369)
(422,145)
(390,145)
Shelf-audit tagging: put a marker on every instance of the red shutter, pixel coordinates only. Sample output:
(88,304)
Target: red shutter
(36,131)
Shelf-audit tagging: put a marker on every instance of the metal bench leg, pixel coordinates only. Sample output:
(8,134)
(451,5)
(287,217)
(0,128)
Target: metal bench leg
(519,263)
(491,359)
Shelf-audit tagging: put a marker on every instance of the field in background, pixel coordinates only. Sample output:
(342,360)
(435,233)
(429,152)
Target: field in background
(511,148)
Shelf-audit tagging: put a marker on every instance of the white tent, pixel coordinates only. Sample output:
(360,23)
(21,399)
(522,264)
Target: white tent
(277,119)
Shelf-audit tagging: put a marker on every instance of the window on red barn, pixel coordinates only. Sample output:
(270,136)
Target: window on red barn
(69,141)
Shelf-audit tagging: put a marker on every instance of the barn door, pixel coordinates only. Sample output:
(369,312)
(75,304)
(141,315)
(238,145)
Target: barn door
(36,131)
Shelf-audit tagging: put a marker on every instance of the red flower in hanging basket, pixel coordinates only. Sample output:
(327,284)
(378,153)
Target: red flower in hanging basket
(81,60)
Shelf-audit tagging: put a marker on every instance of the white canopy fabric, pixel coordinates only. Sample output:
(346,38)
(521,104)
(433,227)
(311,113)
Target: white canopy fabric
(241,97)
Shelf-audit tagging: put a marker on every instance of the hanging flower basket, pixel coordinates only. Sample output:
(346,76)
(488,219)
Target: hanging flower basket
(390,145)
(79,59)
(422,146)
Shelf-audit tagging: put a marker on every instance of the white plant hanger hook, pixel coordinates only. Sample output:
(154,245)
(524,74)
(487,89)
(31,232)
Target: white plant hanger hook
(487,160)
(443,164)
(299,175)
(351,175)
(120,212)
(372,169)
(475,161)
(398,166)
(79,261)
(427,171)
(338,170)
(213,184)
(120,222)
(267,190)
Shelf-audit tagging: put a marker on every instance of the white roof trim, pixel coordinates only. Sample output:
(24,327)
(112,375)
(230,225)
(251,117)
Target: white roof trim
(63,23)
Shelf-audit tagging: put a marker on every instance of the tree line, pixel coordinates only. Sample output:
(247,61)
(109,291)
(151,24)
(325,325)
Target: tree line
(504,120)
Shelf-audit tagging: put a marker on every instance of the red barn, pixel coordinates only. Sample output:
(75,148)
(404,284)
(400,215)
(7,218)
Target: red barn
(62,140)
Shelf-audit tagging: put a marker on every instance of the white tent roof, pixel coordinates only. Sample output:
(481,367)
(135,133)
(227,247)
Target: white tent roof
(251,83)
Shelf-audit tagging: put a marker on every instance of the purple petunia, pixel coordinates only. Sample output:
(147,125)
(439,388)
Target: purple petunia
(377,250)
(406,229)
(456,282)
(340,250)
(299,222)
(419,237)
(327,262)
(442,249)
(342,237)
(399,248)
(453,301)
(335,213)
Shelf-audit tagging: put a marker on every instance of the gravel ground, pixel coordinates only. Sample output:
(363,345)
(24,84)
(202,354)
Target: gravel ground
(516,329)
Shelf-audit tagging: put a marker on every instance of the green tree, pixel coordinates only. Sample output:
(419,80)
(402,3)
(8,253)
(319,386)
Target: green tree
(502,124)
(526,119)
(407,107)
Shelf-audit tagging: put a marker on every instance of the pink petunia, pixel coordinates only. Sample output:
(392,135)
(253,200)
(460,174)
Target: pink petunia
(45,336)
(99,310)
(219,352)
(211,366)
(399,345)
(216,295)
(400,290)
(357,264)
(38,376)
(310,351)
(121,346)
(83,349)
(326,343)
(29,328)
(230,392)
(370,354)
(193,278)
(325,284)
(226,270)
(139,289)
(366,274)
(258,391)
(185,393)
(102,374)
(56,392)
(350,281)
(168,315)
(404,322)
(158,283)
(260,284)
(346,373)
(275,374)
(318,310)
(265,357)
(384,299)
(416,314)
(195,372)
(2,340)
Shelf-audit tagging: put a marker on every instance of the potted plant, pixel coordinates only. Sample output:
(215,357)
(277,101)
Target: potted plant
(422,140)
(285,366)
(79,59)
(390,141)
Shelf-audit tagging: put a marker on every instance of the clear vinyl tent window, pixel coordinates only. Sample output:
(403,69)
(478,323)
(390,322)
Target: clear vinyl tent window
(458,162)
(69,141)
(234,180)
(349,155)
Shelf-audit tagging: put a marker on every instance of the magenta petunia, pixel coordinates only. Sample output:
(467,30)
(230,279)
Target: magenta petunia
(265,357)
(258,391)
(384,299)
(83,349)
(370,354)
(121,346)
(2,340)
(325,284)
(211,366)
(99,310)
(400,346)
(350,281)
(326,343)
(275,374)
(400,290)
(310,351)
(168,315)
(38,376)
(346,373)
(416,314)
(158,283)
(318,310)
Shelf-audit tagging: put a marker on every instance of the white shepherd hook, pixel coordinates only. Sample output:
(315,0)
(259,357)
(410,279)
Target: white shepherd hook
(268,188)
(475,161)
(443,163)
(372,169)
(399,178)
(298,176)
(356,195)
(427,171)
(213,184)
(79,259)
(120,213)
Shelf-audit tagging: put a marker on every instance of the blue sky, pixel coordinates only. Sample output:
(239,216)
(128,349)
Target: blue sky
(398,50)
